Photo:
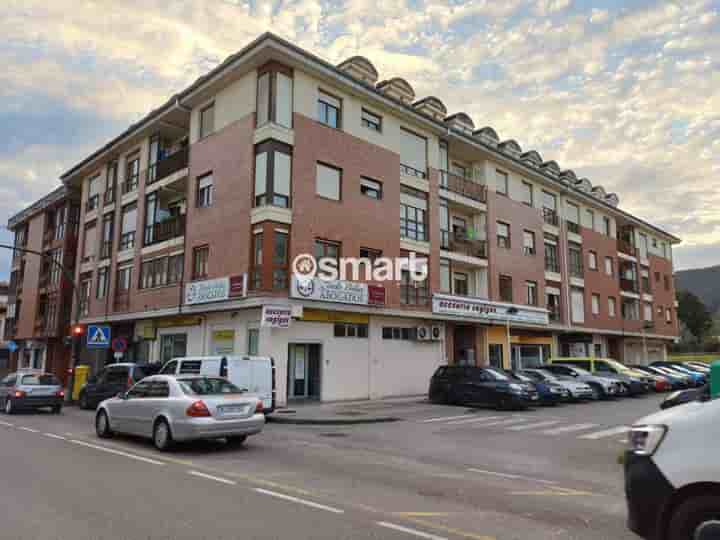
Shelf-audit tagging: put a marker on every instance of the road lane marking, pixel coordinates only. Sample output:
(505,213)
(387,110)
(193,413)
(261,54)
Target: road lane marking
(31,430)
(215,478)
(451,530)
(506,422)
(555,492)
(117,452)
(534,425)
(473,420)
(605,433)
(299,501)
(422,514)
(53,436)
(8,424)
(511,476)
(568,429)
(441,418)
(407,530)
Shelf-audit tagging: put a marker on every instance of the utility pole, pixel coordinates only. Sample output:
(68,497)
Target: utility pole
(76,336)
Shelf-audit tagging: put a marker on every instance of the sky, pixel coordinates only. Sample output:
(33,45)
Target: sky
(624,92)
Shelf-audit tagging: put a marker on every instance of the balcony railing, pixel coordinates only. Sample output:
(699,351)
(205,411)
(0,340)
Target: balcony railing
(411,171)
(168,165)
(463,241)
(463,186)
(554,313)
(551,217)
(625,247)
(629,285)
(105,250)
(573,227)
(552,265)
(165,230)
(109,196)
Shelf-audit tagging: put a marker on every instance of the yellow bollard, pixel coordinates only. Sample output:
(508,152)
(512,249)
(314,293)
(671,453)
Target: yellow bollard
(81,375)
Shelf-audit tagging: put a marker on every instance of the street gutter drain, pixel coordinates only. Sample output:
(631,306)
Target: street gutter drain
(334,434)
(352,413)
(285,411)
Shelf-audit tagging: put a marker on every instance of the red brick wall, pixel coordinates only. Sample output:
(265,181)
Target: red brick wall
(598,282)
(662,297)
(29,296)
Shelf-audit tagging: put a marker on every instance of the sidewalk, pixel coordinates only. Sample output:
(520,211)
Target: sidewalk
(344,412)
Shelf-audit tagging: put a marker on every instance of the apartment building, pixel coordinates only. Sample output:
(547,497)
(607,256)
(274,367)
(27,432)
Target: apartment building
(190,220)
(40,294)
(4,351)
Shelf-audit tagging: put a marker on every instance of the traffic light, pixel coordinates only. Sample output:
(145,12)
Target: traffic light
(78,330)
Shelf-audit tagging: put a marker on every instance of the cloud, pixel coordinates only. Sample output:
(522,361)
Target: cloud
(598,16)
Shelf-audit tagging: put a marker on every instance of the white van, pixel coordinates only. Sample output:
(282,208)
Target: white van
(672,473)
(256,374)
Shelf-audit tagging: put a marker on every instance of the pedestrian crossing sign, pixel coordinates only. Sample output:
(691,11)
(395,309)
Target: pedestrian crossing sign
(98,337)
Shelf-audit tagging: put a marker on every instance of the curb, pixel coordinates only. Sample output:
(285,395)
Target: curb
(330,421)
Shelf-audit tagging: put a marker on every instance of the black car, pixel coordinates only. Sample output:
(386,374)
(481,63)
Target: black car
(112,380)
(471,385)
(686,396)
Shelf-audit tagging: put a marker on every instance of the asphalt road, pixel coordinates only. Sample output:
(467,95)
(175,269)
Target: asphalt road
(441,473)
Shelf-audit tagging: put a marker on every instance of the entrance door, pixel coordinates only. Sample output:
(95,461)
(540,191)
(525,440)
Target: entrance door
(304,371)
(526,356)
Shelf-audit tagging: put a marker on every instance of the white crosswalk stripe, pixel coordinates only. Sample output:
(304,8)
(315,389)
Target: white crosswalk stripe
(568,429)
(505,423)
(443,418)
(605,433)
(473,420)
(534,425)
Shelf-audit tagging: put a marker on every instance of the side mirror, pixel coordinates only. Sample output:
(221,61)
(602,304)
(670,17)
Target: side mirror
(122,395)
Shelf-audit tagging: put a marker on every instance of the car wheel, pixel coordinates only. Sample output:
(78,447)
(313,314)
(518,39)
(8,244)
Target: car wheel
(597,393)
(9,407)
(694,517)
(162,437)
(237,441)
(102,425)
(57,409)
(84,403)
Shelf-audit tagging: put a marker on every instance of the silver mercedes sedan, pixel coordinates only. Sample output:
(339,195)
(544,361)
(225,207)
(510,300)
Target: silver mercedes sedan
(170,409)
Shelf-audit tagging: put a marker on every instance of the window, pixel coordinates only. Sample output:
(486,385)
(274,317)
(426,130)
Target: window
(647,312)
(200,262)
(350,330)
(590,219)
(528,243)
(93,193)
(592,260)
(609,266)
(595,304)
(645,280)
(506,289)
(274,98)
(325,249)
(612,306)
(552,301)
(90,241)
(273,168)
(132,173)
(108,227)
(394,332)
(328,181)
(111,182)
(371,120)
(552,263)
(280,256)
(666,280)
(102,283)
(549,201)
(173,346)
(575,260)
(460,283)
(413,293)
(654,243)
(253,341)
(124,279)
(413,154)
(207,120)
(257,260)
(205,191)
(657,277)
(501,182)
(668,315)
(60,216)
(329,110)
(659,311)
(85,285)
(577,303)
(532,293)
(56,266)
(370,188)
(527,193)
(630,309)
(445,276)
(371,254)
(503,235)
(643,245)
(573,217)
(129,224)
(607,228)
(413,214)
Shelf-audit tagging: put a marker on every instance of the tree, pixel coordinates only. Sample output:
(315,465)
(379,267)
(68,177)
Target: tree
(694,315)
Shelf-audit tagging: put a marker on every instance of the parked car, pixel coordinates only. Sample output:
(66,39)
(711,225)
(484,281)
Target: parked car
(576,390)
(255,374)
(686,396)
(685,381)
(661,382)
(602,387)
(31,390)
(114,379)
(606,367)
(550,393)
(170,409)
(672,476)
(698,379)
(471,385)
(673,383)
(699,366)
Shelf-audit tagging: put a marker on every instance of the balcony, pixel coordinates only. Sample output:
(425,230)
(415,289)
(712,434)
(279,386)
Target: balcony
(554,313)
(573,227)
(552,265)
(168,165)
(464,241)
(105,250)
(629,285)
(129,185)
(551,217)
(168,229)
(407,170)
(463,186)
(626,247)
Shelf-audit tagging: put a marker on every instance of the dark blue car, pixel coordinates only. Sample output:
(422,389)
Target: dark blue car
(549,393)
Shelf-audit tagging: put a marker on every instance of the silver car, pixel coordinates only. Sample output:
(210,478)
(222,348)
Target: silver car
(170,409)
(578,390)
(31,390)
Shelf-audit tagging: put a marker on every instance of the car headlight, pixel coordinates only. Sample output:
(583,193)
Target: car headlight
(515,388)
(645,440)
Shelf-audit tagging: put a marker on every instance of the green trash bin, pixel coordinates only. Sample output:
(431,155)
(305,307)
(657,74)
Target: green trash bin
(715,379)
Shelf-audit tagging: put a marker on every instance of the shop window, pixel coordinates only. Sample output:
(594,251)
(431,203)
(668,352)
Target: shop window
(350,330)
(253,341)
(172,346)
(496,355)
(399,333)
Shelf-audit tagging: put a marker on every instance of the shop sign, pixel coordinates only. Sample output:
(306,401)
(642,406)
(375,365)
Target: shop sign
(445,304)
(177,321)
(211,290)
(276,316)
(223,342)
(322,315)
(343,292)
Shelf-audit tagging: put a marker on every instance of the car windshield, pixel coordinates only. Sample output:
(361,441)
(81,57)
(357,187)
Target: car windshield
(498,375)
(523,377)
(617,365)
(546,375)
(40,380)
(206,386)
(581,371)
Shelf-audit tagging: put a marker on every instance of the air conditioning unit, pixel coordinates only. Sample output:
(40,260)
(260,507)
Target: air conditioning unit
(424,333)
(436,332)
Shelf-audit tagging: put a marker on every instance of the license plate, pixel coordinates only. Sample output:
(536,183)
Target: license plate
(231,409)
